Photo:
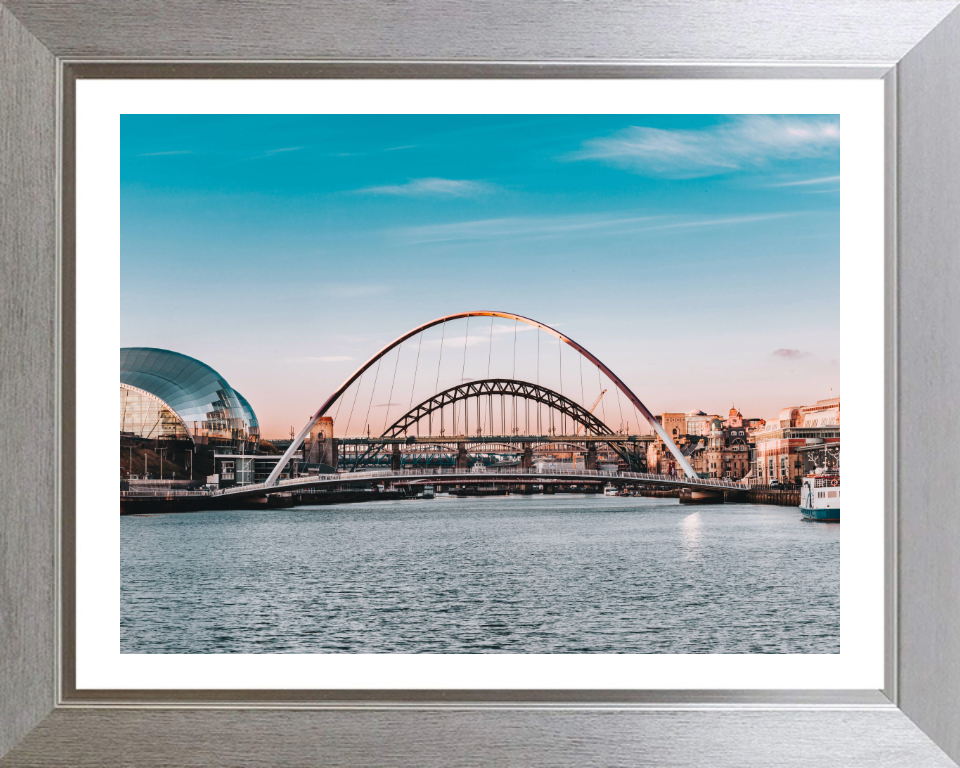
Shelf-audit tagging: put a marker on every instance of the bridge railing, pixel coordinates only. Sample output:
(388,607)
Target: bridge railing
(161,492)
(646,477)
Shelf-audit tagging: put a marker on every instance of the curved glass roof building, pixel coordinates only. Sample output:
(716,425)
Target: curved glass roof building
(248,414)
(166,395)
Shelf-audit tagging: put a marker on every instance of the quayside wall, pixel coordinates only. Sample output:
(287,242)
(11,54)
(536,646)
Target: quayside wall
(768,496)
(158,505)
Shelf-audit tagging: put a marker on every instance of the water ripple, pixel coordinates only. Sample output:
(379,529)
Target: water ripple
(541,574)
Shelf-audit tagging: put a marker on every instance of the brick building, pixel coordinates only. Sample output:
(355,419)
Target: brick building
(777,455)
(727,452)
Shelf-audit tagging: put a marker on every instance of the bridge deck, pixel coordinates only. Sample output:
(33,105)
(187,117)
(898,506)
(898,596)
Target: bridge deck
(478,439)
(448,475)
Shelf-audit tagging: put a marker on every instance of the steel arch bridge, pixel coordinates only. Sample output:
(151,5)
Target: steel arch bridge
(614,379)
(494,388)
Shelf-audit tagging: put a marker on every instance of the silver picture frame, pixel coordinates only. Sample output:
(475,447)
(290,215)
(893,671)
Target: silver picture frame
(913,45)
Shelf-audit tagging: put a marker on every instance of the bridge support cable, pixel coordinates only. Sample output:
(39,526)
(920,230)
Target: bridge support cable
(490,348)
(415,369)
(394,381)
(583,397)
(466,336)
(620,407)
(513,375)
(560,363)
(374,389)
(355,395)
(538,357)
(637,415)
(337,415)
(614,379)
(603,407)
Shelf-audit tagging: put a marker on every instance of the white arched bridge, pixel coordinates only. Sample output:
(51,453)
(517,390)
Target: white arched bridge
(499,475)
(494,409)
(479,431)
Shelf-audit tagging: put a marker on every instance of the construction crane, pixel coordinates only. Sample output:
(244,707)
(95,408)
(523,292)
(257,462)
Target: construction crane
(595,404)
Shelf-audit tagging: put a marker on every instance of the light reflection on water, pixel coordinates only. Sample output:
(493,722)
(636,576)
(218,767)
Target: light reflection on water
(691,534)
(538,574)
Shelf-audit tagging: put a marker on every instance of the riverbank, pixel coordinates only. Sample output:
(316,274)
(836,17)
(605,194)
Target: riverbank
(777,497)
(174,503)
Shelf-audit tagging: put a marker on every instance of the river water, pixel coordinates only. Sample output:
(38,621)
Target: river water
(524,574)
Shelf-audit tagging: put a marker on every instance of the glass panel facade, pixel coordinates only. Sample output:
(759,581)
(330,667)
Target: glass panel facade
(146,416)
(253,426)
(209,407)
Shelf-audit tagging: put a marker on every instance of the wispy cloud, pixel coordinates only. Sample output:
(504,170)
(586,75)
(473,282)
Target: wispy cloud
(807,182)
(534,228)
(168,152)
(789,354)
(453,340)
(278,151)
(722,221)
(748,140)
(520,227)
(432,186)
(518,328)
(369,152)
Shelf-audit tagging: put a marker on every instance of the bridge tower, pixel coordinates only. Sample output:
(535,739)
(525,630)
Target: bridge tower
(591,460)
(526,462)
(320,447)
(395,462)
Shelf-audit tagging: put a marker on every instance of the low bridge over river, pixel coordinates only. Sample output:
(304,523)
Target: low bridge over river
(489,476)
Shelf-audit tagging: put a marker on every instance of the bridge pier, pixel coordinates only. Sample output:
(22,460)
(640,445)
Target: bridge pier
(395,462)
(698,496)
(462,456)
(638,458)
(320,447)
(526,461)
(591,460)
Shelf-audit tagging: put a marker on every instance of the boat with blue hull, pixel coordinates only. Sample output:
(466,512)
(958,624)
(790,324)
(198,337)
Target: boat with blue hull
(820,496)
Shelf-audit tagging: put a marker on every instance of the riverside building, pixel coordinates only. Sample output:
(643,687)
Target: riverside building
(178,405)
(781,444)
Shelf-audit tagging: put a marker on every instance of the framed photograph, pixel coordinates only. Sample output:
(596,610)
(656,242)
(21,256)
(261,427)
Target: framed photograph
(475,411)
(484,443)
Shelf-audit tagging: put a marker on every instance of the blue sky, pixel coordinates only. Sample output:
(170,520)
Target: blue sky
(698,256)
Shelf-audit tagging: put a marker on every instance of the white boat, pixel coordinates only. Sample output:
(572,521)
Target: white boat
(820,496)
(610,490)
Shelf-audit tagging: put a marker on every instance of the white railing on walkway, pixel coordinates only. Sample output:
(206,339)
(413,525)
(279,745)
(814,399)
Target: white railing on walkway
(177,492)
(341,477)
